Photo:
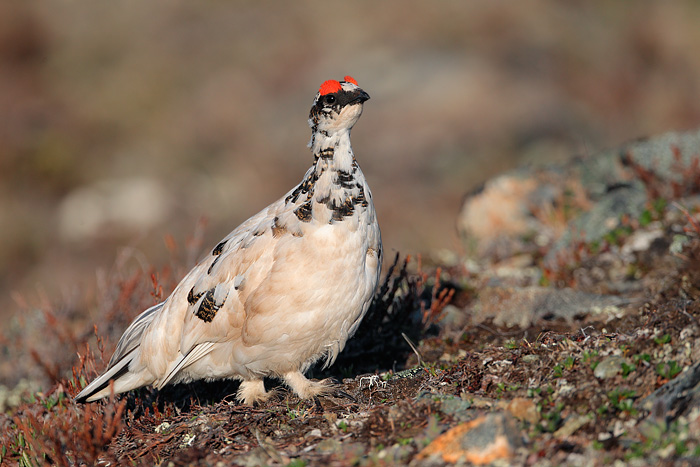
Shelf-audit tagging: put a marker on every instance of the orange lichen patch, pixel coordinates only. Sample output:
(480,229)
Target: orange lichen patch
(501,208)
(466,442)
(350,79)
(329,87)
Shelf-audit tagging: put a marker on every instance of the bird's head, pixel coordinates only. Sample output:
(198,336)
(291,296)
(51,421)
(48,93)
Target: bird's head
(337,106)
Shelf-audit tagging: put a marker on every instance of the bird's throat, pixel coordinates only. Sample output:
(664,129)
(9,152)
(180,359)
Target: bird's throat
(334,187)
(332,151)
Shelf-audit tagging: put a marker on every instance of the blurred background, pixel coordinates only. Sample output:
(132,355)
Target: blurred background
(129,130)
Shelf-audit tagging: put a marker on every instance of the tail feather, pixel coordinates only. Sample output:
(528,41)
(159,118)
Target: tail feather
(118,368)
(100,388)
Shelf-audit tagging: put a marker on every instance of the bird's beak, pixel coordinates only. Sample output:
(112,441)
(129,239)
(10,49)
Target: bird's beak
(360,97)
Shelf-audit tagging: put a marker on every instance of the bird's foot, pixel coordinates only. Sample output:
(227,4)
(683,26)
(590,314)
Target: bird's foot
(253,392)
(306,389)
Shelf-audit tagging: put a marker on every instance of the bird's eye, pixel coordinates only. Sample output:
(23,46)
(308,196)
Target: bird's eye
(330,99)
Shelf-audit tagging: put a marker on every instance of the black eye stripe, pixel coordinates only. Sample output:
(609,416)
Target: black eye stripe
(341,98)
(337,99)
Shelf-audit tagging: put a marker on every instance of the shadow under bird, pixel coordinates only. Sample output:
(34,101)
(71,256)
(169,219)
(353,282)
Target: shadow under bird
(286,288)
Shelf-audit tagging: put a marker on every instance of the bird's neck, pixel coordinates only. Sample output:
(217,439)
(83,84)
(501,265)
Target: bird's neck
(332,151)
(334,188)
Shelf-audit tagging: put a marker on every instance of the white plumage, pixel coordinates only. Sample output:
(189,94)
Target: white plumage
(287,287)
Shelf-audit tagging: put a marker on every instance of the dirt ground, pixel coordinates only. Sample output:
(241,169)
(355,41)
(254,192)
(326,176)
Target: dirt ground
(578,391)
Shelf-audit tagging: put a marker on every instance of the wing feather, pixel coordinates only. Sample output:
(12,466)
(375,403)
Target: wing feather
(184,361)
(132,336)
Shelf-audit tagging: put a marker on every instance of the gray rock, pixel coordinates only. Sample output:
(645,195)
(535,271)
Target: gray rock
(329,445)
(505,212)
(522,306)
(606,213)
(600,171)
(659,153)
(257,457)
(610,366)
(676,397)
(459,408)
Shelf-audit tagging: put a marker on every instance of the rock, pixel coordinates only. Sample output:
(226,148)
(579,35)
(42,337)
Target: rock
(522,306)
(479,402)
(664,153)
(460,409)
(352,420)
(395,454)
(606,214)
(523,409)
(315,433)
(481,441)
(499,211)
(598,191)
(255,458)
(641,240)
(571,425)
(677,397)
(610,366)
(329,445)
(517,271)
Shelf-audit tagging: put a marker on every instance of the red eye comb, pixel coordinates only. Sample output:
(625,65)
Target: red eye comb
(329,87)
(350,79)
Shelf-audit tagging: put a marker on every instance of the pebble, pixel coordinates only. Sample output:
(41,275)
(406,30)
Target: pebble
(315,433)
(571,425)
(610,366)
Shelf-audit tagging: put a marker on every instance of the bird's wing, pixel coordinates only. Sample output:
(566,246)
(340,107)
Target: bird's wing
(199,351)
(207,307)
(132,336)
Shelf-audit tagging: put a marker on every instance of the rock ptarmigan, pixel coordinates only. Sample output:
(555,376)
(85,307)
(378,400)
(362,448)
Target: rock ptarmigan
(286,288)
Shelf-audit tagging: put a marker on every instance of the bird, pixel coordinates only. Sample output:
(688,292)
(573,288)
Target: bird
(285,289)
